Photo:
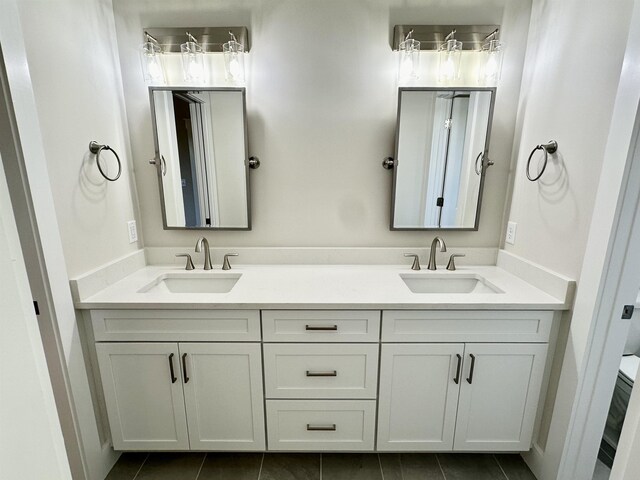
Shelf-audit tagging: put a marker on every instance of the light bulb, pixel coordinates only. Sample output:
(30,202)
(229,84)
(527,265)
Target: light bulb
(195,68)
(154,69)
(449,69)
(234,67)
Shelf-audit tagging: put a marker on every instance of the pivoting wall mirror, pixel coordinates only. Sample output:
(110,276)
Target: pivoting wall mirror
(201,157)
(441,157)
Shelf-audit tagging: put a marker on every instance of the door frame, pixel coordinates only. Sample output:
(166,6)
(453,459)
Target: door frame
(609,277)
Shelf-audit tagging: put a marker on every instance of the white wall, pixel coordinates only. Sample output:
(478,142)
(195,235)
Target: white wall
(62,71)
(568,93)
(321,97)
(31,443)
(73,61)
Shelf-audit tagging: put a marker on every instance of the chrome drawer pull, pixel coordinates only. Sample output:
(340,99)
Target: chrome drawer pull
(321,428)
(332,373)
(332,328)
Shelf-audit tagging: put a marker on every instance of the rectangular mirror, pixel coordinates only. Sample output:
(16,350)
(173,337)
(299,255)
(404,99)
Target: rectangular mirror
(201,157)
(442,142)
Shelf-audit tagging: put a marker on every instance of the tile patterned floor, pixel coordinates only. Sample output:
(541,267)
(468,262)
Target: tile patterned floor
(316,466)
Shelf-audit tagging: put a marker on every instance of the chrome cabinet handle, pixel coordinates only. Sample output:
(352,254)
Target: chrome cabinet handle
(184,368)
(174,379)
(332,328)
(321,428)
(458,368)
(473,364)
(332,373)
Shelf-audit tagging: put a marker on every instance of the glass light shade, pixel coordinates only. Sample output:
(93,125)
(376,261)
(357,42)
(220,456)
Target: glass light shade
(449,55)
(409,59)
(151,62)
(233,61)
(491,63)
(192,62)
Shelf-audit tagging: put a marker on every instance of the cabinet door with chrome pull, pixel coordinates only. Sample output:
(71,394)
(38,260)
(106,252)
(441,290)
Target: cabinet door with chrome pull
(143,394)
(223,394)
(419,385)
(499,396)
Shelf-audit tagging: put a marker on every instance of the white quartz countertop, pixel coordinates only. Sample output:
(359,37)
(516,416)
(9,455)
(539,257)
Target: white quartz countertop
(323,287)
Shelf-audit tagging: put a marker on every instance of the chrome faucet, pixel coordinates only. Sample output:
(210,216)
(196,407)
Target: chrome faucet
(432,256)
(207,253)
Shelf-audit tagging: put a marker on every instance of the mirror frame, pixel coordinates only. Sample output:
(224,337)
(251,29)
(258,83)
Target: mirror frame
(492,90)
(158,160)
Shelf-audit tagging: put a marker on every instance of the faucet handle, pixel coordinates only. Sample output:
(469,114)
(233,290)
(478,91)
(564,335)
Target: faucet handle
(416,260)
(225,264)
(189,265)
(452,262)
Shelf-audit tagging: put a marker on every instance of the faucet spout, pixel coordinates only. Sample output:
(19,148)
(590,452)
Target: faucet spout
(203,242)
(437,242)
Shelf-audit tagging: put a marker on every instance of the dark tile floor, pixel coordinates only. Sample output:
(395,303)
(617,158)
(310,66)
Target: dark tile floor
(316,466)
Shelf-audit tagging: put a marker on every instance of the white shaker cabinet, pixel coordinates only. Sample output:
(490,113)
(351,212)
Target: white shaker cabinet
(460,397)
(181,396)
(418,398)
(142,385)
(499,398)
(223,395)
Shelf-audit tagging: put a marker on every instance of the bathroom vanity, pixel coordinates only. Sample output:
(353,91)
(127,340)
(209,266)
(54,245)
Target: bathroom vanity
(322,358)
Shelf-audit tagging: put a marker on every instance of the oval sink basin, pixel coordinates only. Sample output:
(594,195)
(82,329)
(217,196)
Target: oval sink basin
(193,283)
(443,283)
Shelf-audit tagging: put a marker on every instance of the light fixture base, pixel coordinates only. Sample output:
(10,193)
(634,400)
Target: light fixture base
(432,36)
(211,39)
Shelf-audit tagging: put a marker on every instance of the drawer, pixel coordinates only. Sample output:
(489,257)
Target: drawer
(321,325)
(327,425)
(176,325)
(320,370)
(466,326)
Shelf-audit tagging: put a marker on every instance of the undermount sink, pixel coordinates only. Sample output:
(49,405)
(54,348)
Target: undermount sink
(448,283)
(193,283)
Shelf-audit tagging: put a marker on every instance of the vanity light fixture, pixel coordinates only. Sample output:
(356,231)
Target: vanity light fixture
(233,52)
(491,63)
(151,61)
(449,56)
(192,60)
(409,58)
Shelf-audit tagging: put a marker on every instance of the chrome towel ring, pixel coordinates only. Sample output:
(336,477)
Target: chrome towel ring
(96,149)
(550,147)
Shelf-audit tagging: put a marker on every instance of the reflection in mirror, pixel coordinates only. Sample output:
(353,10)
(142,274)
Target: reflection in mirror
(201,156)
(441,157)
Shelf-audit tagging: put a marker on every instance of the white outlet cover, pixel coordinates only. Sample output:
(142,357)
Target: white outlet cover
(133,231)
(511,233)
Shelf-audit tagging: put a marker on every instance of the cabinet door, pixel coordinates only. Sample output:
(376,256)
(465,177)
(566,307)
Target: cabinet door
(143,395)
(419,389)
(223,394)
(499,396)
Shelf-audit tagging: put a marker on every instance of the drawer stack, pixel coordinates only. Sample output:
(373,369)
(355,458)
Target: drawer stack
(321,375)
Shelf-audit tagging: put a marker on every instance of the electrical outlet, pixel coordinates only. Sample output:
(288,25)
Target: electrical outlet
(511,233)
(133,231)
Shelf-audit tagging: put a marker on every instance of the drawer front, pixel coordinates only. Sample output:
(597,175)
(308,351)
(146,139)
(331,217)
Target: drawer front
(321,325)
(321,370)
(328,425)
(466,326)
(176,325)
